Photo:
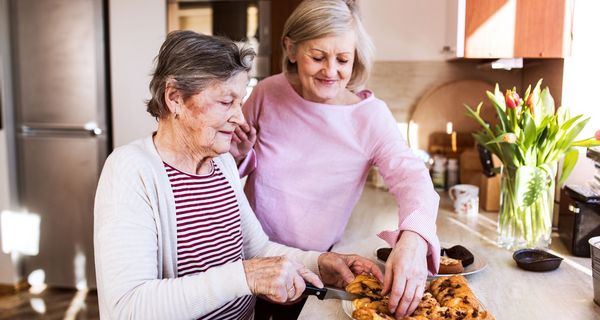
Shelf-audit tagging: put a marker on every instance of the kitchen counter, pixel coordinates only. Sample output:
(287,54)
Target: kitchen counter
(505,290)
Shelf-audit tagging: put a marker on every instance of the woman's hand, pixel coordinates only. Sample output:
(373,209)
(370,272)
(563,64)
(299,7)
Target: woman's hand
(243,140)
(406,274)
(278,278)
(339,269)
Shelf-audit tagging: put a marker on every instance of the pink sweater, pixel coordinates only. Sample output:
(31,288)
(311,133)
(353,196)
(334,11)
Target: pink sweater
(311,160)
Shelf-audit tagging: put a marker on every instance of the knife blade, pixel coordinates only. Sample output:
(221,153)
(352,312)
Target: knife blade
(329,293)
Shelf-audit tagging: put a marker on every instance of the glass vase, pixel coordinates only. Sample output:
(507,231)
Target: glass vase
(526,223)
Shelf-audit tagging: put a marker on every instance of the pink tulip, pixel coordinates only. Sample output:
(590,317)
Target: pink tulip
(509,138)
(512,99)
(597,135)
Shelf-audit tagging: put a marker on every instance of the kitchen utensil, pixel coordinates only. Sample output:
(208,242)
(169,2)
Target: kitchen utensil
(485,156)
(595,250)
(328,293)
(465,198)
(536,260)
(579,218)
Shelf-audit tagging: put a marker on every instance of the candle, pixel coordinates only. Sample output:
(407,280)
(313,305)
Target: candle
(454,141)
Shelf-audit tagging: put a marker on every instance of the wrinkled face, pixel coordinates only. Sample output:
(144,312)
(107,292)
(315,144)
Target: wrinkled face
(209,118)
(325,66)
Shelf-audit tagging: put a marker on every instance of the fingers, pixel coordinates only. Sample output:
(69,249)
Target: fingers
(372,268)
(406,300)
(240,134)
(252,135)
(309,276)
(397,291)
(416,299)
(388,278)
(299,287)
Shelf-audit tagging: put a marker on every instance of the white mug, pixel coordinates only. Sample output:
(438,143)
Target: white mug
(465,198)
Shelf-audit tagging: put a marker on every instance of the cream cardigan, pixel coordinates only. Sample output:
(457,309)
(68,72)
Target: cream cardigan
(135,243)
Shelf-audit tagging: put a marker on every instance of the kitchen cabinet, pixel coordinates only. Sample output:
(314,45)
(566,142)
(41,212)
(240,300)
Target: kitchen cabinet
(509,28)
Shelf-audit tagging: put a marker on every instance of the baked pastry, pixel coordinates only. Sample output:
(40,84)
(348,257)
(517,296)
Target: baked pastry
(454,293)
(450,266)
(366,285)
(446,298)
(460,253)
(373,306)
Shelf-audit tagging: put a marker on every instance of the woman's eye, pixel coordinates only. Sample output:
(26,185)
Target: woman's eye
(226,103)
(318,59)
(343,61)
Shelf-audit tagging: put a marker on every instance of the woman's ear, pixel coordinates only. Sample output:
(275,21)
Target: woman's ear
(290,49)
(172,98)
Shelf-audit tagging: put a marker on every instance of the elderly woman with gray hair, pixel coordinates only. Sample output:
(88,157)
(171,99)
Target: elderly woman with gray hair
(174,235)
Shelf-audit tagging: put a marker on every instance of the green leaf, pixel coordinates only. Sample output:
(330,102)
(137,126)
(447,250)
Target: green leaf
(568,164)
(562,114)
(530,131)
(568,138)
(565,126)
(587,143)
(547,102)
(503,119)
(530,183)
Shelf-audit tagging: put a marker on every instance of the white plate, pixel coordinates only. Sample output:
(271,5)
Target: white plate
(348,308)
(479,263)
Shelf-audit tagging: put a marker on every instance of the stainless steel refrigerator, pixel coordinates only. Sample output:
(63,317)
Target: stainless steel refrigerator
(60,106)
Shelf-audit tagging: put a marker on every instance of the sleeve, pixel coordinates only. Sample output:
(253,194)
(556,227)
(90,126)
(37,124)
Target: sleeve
(251,111)
(408,180)
(256,241)
(248,164)
(126,241)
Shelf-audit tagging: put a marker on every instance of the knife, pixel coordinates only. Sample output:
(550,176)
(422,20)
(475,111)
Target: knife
(328,293)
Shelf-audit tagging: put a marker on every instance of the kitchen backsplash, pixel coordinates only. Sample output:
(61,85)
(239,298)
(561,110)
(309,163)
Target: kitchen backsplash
(402,83)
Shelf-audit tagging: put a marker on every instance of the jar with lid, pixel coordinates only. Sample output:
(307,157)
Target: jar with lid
(438,173)
(452,173)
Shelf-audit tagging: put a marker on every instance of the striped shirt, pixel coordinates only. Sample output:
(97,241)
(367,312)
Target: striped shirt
(209,232)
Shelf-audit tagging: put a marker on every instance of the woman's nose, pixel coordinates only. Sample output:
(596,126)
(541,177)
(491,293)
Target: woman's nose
(238,116)
(330,68)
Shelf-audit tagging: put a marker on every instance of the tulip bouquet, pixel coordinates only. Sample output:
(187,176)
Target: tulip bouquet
(529,139)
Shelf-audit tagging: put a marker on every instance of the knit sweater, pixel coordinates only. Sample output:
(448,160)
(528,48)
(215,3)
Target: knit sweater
(135,243)
(310,163)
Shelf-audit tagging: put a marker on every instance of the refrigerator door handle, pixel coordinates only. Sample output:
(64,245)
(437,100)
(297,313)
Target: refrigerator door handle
(90,128)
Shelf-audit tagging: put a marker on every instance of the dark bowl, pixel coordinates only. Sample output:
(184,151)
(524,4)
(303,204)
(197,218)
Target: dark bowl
(536,260)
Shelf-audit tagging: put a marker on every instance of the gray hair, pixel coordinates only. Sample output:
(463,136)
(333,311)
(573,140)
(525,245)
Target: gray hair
(192,62)
(314,19)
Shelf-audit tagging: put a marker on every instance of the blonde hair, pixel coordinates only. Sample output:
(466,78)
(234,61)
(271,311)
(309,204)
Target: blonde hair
(314,19)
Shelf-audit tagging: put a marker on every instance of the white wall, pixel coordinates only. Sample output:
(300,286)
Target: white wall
(580,85)
(137,29)
(406,30)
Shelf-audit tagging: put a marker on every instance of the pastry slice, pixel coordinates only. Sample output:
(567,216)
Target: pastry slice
(450,266)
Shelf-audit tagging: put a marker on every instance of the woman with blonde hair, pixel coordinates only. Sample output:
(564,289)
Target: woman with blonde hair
(312,136)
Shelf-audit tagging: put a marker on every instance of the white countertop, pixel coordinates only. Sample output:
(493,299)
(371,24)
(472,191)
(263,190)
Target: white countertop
(505,290)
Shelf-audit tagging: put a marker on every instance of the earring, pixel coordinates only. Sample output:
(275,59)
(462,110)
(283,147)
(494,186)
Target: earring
(176,112)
